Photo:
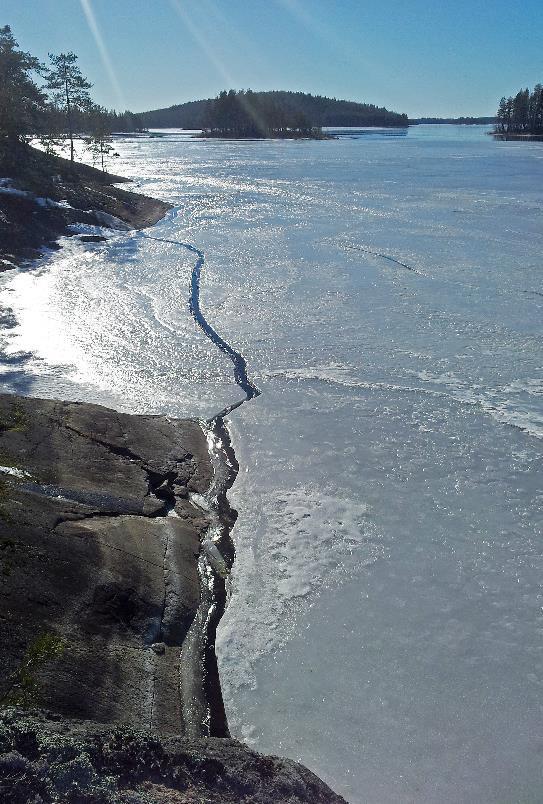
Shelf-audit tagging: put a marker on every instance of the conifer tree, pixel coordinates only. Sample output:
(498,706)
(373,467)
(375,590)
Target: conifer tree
(99,141)
(502,116)
(520,110)
(536,109)
(521,114)
(70,91)
(22,103)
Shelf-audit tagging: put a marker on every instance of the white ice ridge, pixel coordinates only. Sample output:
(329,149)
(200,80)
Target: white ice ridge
(48,202)
(494,402)
(6,188)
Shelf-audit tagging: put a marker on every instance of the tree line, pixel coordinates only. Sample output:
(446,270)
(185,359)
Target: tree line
(521,113)
(52,102)
(458,121)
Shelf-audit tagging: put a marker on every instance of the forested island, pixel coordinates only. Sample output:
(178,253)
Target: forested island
(252,115)
(299,108)
(521,116)
(61,109)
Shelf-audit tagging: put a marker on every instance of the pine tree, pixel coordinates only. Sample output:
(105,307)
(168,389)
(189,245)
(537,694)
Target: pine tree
(509,114)
(99,141)
(520,110)
(22,103)
(501,116)
(536,110)
(70,91)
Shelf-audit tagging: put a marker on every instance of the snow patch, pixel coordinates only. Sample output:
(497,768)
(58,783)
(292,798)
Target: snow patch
(14,472)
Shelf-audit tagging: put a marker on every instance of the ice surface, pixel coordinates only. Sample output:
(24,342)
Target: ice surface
(385,616)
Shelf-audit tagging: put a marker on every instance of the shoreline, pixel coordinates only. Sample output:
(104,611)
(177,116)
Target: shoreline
(48,759)
(134,211)
(105,498)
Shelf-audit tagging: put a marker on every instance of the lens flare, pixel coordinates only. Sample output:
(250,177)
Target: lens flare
(202,42)
(230,83)
(102,49)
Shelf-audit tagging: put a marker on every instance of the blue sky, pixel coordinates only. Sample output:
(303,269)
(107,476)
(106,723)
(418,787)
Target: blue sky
(423,58)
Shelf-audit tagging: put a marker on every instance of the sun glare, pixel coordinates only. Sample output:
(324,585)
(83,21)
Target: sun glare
(102,49)
(194,30)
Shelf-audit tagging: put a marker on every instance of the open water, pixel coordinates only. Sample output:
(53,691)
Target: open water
(385,289)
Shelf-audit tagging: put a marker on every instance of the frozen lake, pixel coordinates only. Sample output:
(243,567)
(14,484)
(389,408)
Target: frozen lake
(385,620)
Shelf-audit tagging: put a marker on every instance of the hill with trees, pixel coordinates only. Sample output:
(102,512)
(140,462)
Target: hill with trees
(190,115)
(521,116)
(315,111)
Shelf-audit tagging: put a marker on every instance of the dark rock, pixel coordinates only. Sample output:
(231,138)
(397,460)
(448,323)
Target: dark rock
(78,761)
(92,239)
(12,763)
(165,491)
(91,573)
